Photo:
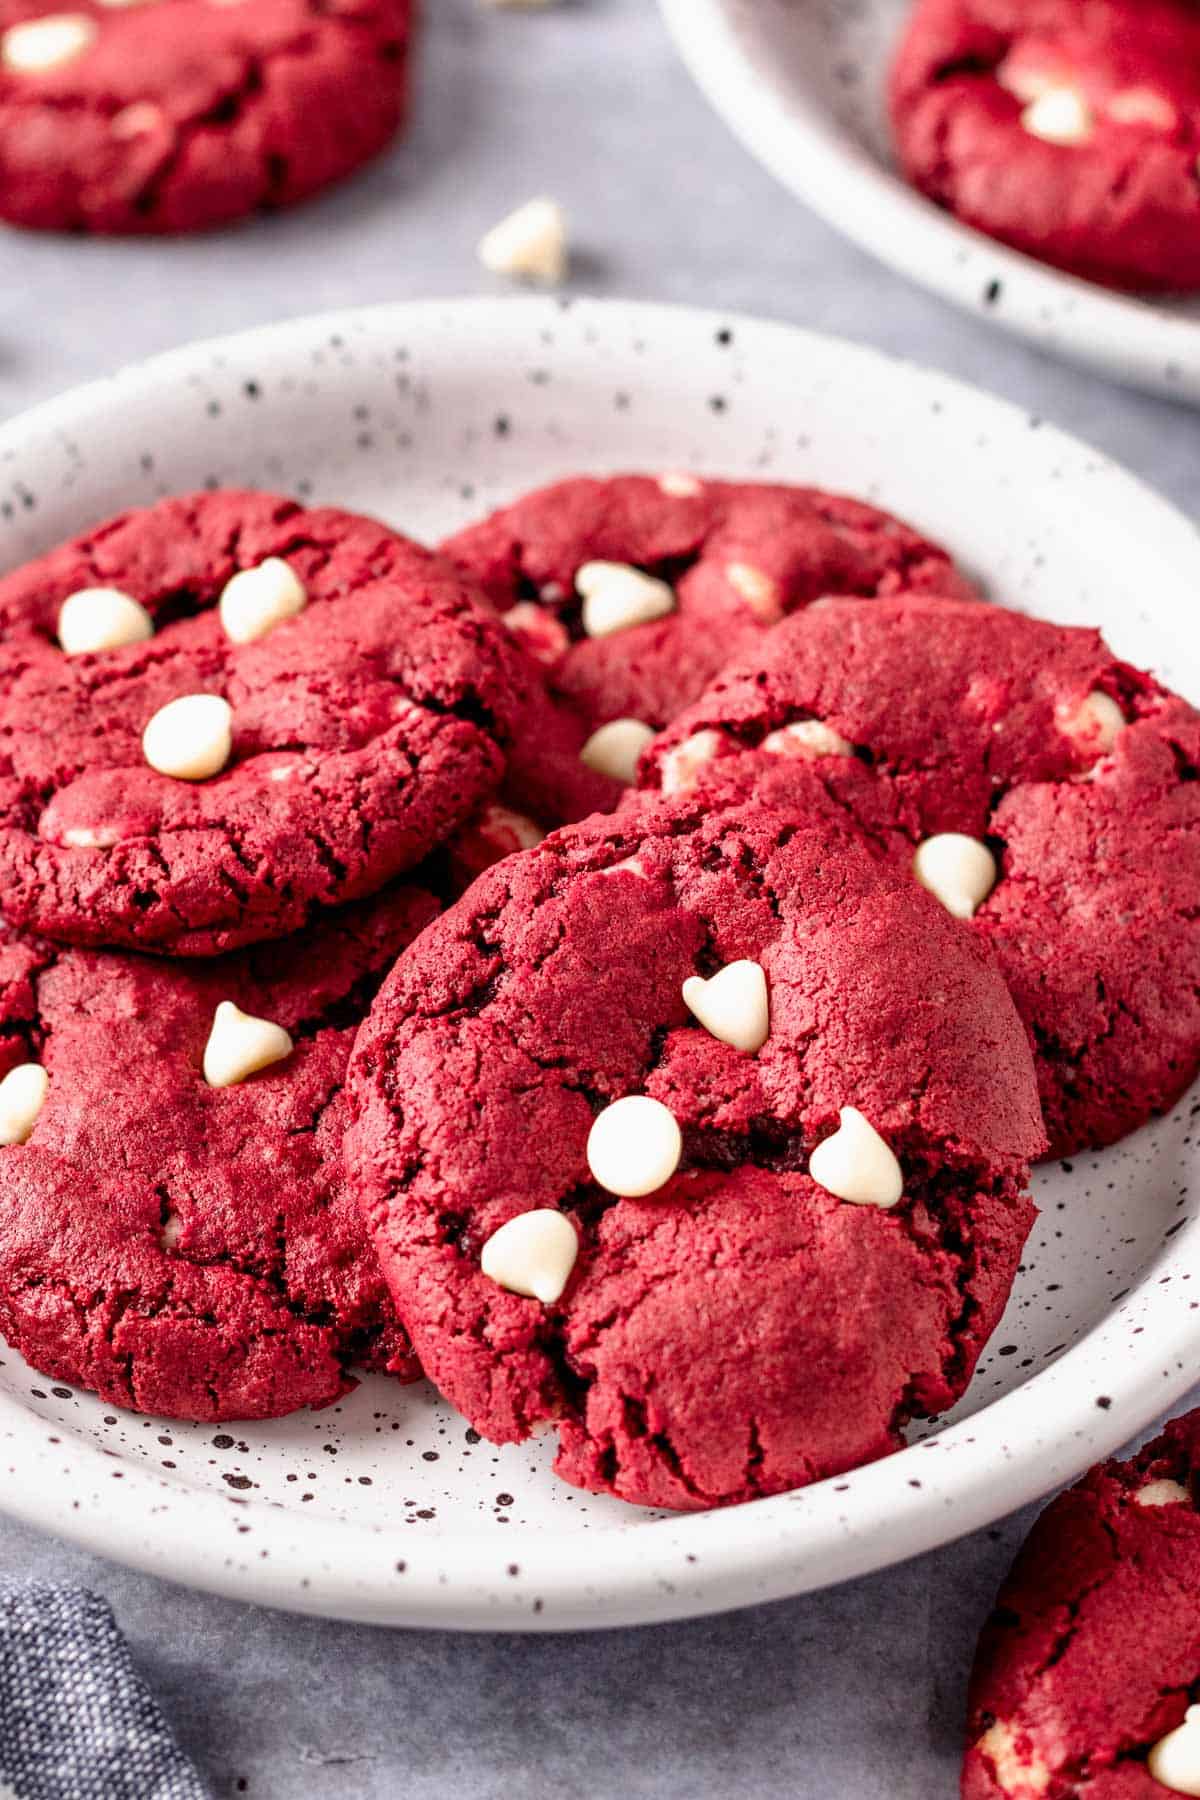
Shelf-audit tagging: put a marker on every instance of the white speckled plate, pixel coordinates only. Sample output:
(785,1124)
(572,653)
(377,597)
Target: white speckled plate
(801,82)
(387,1508)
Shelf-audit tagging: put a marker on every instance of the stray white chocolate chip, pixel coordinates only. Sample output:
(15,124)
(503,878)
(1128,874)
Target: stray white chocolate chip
(22,1096)
(256,600)
(856,1165)
(532,1255)
(614,749)
(239,1045)
(1162,1493)
(616,596)
(190,738)
(757,589)
(41,44)
(680,486)
(1015,1774)
(807,737)
(530,243)
(681,767)
(1060,115)
(958,870)
(733,1004)
(634,1146)
(100,618)
(1175,1759)
(1142,106)
(1095,723)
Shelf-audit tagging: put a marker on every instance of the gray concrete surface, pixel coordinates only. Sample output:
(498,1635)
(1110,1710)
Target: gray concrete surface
(854,1695)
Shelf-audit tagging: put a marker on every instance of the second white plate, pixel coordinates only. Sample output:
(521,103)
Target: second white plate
(802,83)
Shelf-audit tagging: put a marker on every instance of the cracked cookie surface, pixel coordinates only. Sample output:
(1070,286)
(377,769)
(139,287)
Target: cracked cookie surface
(741,1331)
(1092,1654)
(181,1249)
(738,556)
(1070,132)
(365,729)
(179,115)
(969,719)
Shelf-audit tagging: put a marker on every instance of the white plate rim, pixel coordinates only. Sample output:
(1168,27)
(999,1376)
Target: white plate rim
(1116,334)
(685,1565)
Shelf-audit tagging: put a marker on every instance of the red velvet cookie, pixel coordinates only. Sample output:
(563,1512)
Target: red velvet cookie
(356,707)
(184,1248)
(1073,779)
(599,1215)
(1092,1656)
(1069,131)
(725,561)
(183,114)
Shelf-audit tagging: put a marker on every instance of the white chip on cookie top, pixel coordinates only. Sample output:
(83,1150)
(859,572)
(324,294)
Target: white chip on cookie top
(733,1004)
(22,1096)
(681,766)
(614,749)
(856,1165)
(101,618)
(617,596)
(758,589)
(530,242)
(39,45)
(678,485)
(807,737)
(532,1255)
(1060,115)
(1175,1760)
(958,870)
(239,1045)
(1162,1493)
(1019,1771)
(1095,722)
(190,738)
(254,601)
(634,1146)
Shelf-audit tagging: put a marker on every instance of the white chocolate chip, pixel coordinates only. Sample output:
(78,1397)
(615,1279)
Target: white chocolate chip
(22,1096)
(531,242)
(100,618)
(757,589)
(542,635)
(632,865)
(1095,723)
(256,600)
(856,1165)
(91,837)
(1142,106)
(807,737)
(958,870)
(681,767)
(46,43)
(190,738)
(634,1146)
(1060,115)
(1162,1493)
(239,1045)
(138,119)
(532,1255)
(1015,1774)
(616,596)
(170,1231)
(733,1004)
(614,749)
(1025,81)
(1175,1759)
(680,486)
